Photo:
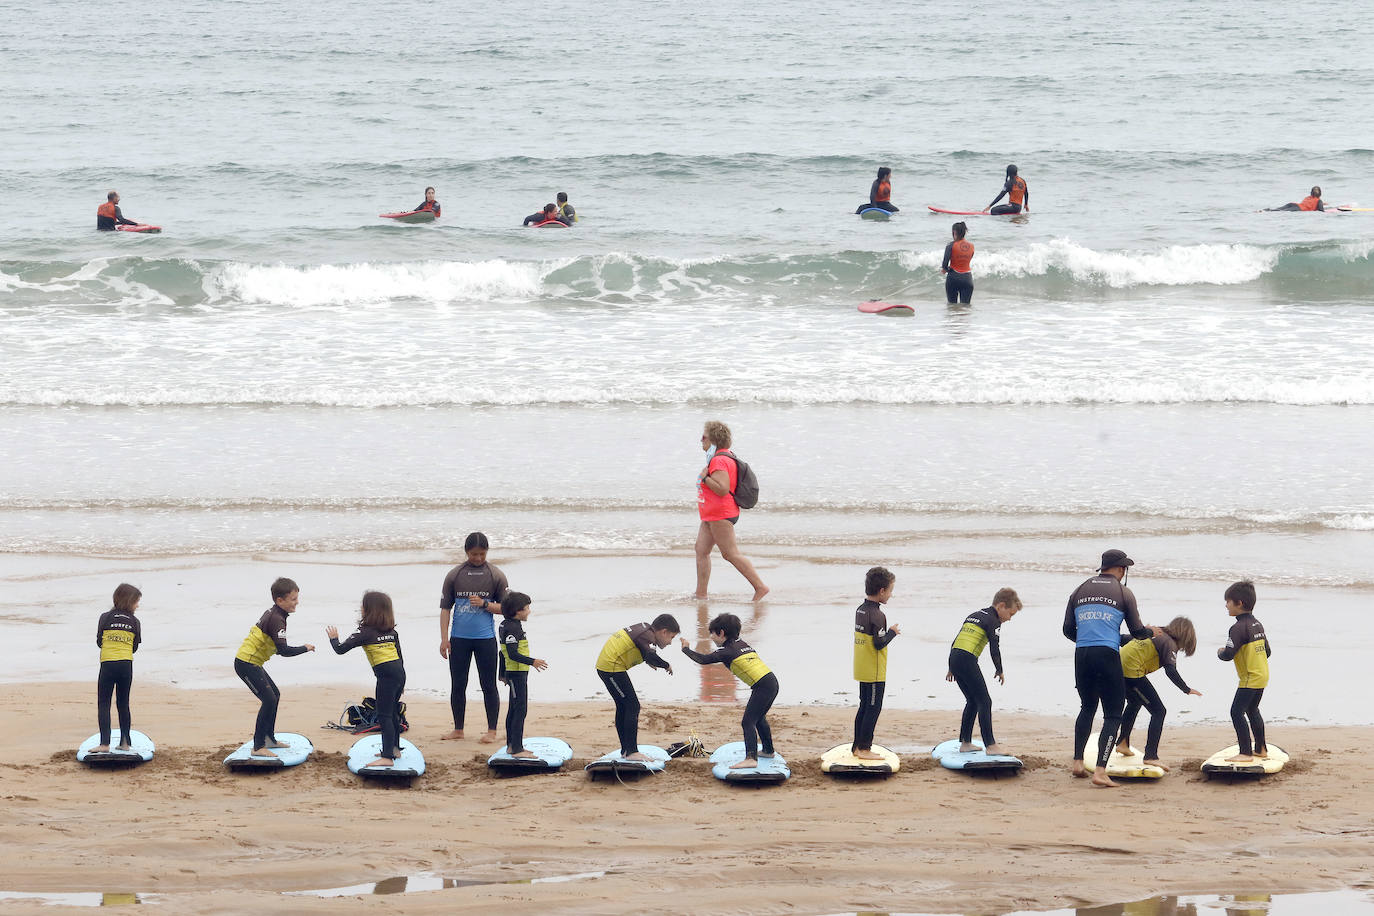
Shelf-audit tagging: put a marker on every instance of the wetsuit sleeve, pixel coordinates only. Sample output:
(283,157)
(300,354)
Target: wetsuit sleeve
(499,585)
(706,659)
(1071,620)
(1321,206)
(1268,649)
(512,650)
(100,628)
(995,651)
(446,598)
(533,218)
(873,191)
(352,642)
(949,252)
(880,642)
(278,635)
(1126,638)
(1233,638)
(1138,629)
(1172,672)
(119,218)
(1005,188)
(138,634)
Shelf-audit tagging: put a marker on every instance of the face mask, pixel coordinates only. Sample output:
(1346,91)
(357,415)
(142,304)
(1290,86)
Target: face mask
(710,452)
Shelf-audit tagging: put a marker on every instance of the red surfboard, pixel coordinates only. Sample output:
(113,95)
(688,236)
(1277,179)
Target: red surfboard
(886,308)
(972,212)
(411,216)
(141,227)
(550,223)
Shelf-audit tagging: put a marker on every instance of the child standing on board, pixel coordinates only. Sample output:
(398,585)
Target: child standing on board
(871,636)
(376,633)
(626,648)
(1248,647)
(1140,657)
(118,635)
(981,629)
(265,639)
(516,663)
(745,664)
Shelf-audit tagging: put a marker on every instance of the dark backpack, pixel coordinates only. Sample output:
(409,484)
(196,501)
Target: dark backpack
(361,718)
(746,490)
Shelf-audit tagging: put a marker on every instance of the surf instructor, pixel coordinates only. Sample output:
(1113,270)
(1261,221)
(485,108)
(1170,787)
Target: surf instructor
(108,215)
(469,602)
(1016,193)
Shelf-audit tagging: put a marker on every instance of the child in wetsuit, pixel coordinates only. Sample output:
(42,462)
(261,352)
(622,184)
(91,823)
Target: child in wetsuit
(118,635)
(871,636)
(626,648)
(516,663)
(265,639)
(1140,657)
(376,633)
(745,664)
(1249,648)
(981,629)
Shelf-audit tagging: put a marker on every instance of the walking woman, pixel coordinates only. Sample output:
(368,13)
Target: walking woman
(468,605)
(956,267)
(718,510)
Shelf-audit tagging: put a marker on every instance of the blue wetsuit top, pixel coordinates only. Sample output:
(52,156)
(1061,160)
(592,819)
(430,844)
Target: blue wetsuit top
(1096,610)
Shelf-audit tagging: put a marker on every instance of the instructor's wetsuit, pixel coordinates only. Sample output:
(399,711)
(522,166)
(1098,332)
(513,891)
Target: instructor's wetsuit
(1249,648)
(625,649)
(1093,619)
(958,271)
(516,662)
(871,637)
(1140,657)
(472,636)
(980,630)
(745,664)
(1017,195)
(108,215)
(383,650)
(265,638)
(118,634)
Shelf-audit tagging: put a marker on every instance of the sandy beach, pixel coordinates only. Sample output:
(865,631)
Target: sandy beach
(182,830)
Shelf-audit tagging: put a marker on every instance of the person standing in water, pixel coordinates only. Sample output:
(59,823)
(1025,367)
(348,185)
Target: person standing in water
(957,267)
(468,602)
(880,194)
(566,213)
(718,511)
(1016,193)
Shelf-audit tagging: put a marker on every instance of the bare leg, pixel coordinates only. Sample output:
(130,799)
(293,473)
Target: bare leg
(724,534)
(705,541)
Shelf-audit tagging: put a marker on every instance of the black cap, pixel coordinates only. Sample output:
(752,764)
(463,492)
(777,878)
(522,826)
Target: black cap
(1114,558)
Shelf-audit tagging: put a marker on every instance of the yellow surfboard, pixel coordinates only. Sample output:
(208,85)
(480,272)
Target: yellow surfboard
(840,761)
(1126,766)
(1217,763)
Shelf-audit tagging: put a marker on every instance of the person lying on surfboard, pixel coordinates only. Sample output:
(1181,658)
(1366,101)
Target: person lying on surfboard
(108,215)
(1313,201)
(880,194)
(547,215)
(431,205)
(1016,193)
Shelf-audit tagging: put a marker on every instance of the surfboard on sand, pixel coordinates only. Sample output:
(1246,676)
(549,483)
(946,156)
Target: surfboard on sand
(298,748)
(410,763)
(949,756)
(1217,764)
(614,762)
(140,750)
(549,754)
(769,770)
(890,309)
(840,761)
(411,216)
(1127,766)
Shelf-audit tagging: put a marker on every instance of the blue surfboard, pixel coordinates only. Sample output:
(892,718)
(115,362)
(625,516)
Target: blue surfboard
(549,754)
(770,770)
(877,213)
(615,762)
(298,748)
(949,756)
(140,750)
(409,764)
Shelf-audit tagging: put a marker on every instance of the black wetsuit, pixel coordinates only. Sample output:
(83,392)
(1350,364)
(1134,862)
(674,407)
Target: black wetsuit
(745,664)
(383,648)
(118,634)
(980,629)
(535,219)
(871,636)
(430,207)
(515,664)
(1093,619)
(460,584)
(958,283)
(266,638)
(1248,646)
(107,224)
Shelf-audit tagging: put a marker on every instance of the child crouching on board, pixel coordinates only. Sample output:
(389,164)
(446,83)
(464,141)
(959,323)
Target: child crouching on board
(745,664)
(377,635)
(265,639)
(516,663)
(980,630)
(1249,648)
(626,648)
(871,636)
(118,634)
(1140,657)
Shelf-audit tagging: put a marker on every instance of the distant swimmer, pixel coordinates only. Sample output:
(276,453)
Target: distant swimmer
(108,215)
(956,266)
(880,194)
(566,213)
(1312,201)
(1016,193)
(547,215)
(431,205)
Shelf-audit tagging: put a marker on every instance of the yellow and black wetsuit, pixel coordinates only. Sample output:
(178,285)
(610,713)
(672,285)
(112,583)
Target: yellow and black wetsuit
(979,632)
(1249,648)
(745,664)
(265,638)
(383,650)
(118,634)
(625,649)
(871,637)
(516,662)
(1139,659)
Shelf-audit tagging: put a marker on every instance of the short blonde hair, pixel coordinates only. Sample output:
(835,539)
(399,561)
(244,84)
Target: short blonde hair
(1006,596)
(717,433)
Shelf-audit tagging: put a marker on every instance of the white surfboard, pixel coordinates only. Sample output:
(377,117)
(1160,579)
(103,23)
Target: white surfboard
(615,762)
(1260,766)
(949,756)
(549,754)
(768,770)
(409,763)
(298,748)
(1127,766)
(140,750)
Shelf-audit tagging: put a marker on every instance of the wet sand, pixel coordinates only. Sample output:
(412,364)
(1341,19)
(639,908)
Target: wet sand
(925,839)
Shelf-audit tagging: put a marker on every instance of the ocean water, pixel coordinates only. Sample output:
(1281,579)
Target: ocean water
(1147,359)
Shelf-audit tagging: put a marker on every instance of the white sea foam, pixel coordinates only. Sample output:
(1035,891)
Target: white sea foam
(330,284)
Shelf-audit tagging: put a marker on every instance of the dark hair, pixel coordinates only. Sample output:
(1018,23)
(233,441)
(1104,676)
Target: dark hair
(1242,593)
(125,597)
(877,579)
(377,611)
(1011,171)
(283,587)
(1181,629)
(884,172)
(476,541)
(960,229)
(725,623)
(427,190)
(562,197)
(549,208)
(1316,190)
(666,622)
(514,603)
(112,195)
